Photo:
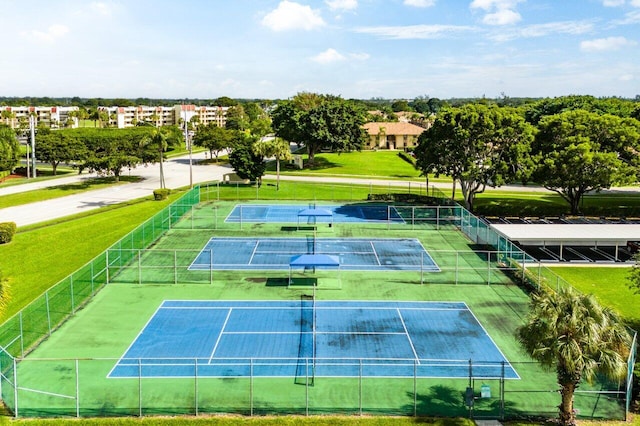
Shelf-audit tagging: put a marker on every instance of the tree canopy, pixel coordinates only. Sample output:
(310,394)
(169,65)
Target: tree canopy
(320,122)
(9,148)
(478,146)
(247,163)
(214,138)
(579,151)
(573,334)
(57,147)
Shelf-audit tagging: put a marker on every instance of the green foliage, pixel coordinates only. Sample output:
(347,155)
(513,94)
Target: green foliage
(321,122)
(579,151)
(7,231)
(478,146)
(246,162)
(551,106)
(9,148)
(161,194)
(406,157)
(634,275)
(571,333)
(214,138)
(59,146)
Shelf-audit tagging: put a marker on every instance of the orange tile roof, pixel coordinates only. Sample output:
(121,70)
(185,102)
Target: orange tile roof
(393,128)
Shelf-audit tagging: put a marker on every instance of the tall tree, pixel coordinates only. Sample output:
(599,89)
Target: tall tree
(320,122)
(57,147)
(574,335)
(236,118)
(277,148)
(246,162)
(478,146)
(578,152)
(9,148)
(215,139)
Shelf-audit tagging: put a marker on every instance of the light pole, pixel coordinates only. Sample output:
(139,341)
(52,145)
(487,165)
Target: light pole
(188,142)
(32,129)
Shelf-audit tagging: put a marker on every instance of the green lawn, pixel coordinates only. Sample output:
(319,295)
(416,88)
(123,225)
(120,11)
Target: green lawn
(40,256)
(609,285)
(363,164)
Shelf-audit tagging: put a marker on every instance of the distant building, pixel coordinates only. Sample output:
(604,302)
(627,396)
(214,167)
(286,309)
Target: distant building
(392,135)
(55,117)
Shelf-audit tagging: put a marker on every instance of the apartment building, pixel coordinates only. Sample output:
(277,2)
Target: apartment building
(122,117)
(59,117)
(54,116)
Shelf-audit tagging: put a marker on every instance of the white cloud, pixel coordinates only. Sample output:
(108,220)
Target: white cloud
(605,44)
(543,30)
(612,3)
(502,17)
(499,12)
(414,31)
(52,33)
(629,18)
(635,3)
(328,56)
(293,16)
(419,3)
(359,56)
(342,4)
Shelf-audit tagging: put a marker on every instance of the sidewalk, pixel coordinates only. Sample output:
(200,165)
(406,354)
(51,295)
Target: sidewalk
(176,173)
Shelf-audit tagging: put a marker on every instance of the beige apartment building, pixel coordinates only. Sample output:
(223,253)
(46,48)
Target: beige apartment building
(392,135)
(55,116)
(121,117)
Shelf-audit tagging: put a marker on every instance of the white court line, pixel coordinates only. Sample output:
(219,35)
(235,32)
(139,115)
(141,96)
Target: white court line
(375,253)
(413,349)
(215,347)
(254,252)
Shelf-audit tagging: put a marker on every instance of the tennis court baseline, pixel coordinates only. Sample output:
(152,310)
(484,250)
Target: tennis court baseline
(333,338)
(381,254)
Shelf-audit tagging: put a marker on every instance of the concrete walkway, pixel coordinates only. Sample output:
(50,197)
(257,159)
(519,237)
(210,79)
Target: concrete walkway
(176,173)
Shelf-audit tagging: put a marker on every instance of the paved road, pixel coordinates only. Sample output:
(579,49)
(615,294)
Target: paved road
(176,175)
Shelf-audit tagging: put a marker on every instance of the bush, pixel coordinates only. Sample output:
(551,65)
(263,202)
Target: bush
(7,231)
(161,194)
(407,157)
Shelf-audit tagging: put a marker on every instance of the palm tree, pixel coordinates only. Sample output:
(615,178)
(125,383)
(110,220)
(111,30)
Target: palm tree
(278,148)
(158,139)
(572,333)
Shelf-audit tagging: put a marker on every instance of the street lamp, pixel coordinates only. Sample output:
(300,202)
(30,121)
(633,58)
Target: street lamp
(188,142)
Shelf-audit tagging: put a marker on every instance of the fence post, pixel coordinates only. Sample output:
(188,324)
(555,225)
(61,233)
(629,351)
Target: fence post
(415,388)
(488,267)
(175,267)
(77,390)
(437,218)
(21,337)
(251,387)
(139,268)
(306,386)
(211,266)
(15,389)
(457,255)
(195,380)
(139,387)
(360,388)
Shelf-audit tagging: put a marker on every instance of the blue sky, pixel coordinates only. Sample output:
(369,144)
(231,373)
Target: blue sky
(353,48)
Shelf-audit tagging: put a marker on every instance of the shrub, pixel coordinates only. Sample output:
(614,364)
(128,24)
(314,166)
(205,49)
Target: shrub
(407,157)
(7,230)
(161,194)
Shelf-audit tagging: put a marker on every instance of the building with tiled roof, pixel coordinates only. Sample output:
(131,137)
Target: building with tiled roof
(392,135)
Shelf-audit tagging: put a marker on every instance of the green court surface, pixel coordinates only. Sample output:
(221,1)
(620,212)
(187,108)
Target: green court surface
(67,373)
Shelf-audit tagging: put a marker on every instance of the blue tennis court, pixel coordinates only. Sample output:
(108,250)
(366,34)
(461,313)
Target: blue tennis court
(382,254)
(333,338)
(289,213)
